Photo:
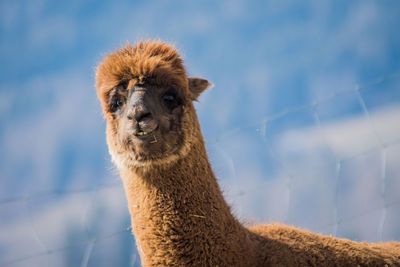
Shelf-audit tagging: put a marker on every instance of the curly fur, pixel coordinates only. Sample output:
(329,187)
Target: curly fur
(179,216)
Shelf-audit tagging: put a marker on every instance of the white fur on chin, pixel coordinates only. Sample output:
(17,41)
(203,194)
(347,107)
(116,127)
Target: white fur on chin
(124,161)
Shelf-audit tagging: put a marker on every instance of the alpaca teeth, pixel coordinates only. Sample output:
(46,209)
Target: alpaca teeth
(142,133)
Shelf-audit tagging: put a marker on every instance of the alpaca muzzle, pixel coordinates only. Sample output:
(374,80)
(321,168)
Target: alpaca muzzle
(144,126)
(142,119)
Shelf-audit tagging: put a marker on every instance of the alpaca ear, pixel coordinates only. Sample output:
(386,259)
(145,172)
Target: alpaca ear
(197,86)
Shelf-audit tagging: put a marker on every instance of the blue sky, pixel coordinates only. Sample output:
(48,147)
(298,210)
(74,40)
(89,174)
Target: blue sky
(283,113)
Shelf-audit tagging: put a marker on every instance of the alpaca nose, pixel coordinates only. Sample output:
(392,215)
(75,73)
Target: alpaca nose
(139,113)
(142,119)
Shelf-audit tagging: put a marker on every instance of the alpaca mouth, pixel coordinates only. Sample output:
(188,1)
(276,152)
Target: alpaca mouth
(143,133)
(148,136)
(145,129)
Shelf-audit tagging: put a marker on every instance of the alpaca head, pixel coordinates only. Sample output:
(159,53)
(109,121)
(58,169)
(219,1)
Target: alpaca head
(147,100)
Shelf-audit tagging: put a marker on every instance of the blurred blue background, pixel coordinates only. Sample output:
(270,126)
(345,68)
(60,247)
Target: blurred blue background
(302,126)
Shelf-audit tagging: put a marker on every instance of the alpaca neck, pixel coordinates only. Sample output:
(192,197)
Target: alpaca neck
(179,215)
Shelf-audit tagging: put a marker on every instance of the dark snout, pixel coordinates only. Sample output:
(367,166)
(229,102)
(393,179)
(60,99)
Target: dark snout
(141,117)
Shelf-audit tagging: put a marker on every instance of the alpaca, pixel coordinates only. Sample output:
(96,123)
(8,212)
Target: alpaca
(178,214)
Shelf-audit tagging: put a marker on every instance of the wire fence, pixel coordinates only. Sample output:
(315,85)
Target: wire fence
(262,128)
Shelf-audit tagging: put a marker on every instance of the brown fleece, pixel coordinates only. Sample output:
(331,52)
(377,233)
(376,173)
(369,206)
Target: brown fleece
(179,216)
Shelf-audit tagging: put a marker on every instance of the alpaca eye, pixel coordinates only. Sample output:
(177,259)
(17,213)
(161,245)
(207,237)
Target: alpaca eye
(169,97)
(171,100)
(115,104)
